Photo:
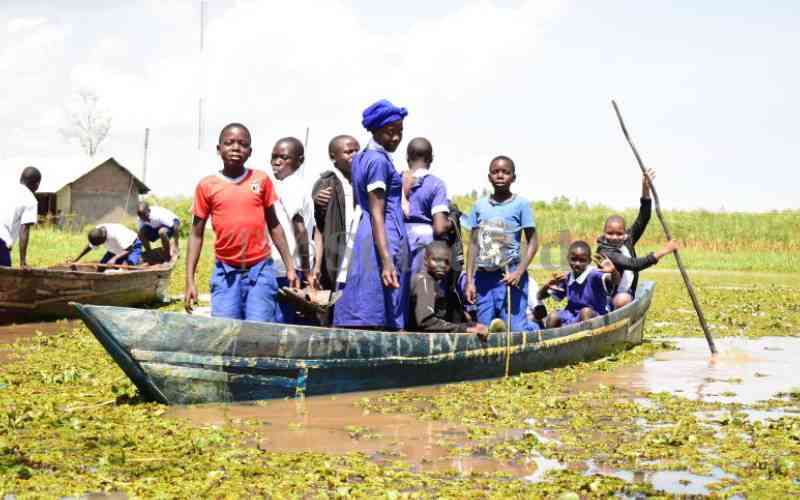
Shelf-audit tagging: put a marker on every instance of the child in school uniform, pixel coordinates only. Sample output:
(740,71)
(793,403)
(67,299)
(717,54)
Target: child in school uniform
(159,223)
(295,211)
(586,288)
(426,206)
(122,244)
(18,212)
(238,200)
(376,293)
(618,244)
(434,306)
(494,263)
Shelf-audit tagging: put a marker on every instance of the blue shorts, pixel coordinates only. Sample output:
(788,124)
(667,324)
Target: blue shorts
(491,302)
(134,258)
(5,254)
(568,317)
(244,293)
(151,233)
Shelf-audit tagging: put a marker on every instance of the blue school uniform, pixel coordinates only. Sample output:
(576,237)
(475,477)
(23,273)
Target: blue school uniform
(5,254)
(427,197)
(365,302)
(134,257)
(590,289)
(500,228)
(244,293)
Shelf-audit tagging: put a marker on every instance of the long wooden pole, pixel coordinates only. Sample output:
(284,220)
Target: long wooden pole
(508,325)
(689,287)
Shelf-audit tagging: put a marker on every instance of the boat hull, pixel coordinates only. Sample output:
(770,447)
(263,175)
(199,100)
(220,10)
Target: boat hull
(178,359)
(37,294)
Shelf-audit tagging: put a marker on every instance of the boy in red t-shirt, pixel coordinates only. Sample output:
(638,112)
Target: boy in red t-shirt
(238,200)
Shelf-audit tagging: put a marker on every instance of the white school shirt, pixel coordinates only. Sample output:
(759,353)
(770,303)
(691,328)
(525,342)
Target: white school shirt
(118,238)
(159,216)
(18,206)
(627,275)
(294,197)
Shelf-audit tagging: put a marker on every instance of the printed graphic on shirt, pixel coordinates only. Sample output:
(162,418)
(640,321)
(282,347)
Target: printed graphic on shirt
(495,244)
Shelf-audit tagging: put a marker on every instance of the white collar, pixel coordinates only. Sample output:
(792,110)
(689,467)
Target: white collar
(580,279)
(373,145)
(420,173)
(339,175)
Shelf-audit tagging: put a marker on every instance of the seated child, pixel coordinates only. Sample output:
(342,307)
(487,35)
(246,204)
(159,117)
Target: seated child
(496,262)
(122,245)
(434,306)
(617,243)
(159,223)
(585,288)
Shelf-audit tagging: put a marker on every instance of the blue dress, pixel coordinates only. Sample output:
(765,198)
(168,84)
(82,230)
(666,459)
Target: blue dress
(365,302)
(427,198)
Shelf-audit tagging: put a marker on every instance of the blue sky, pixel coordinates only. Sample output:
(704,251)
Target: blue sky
(708,89)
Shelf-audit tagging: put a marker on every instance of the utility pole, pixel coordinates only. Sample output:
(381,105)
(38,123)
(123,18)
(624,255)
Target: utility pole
(144,160)
(201,100)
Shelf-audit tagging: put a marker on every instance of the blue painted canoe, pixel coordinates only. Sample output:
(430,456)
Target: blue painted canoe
(175,358)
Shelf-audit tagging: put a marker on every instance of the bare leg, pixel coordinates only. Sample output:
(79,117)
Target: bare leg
(587,313)
(553,320)
(621,300)
(144,240)
(165,243)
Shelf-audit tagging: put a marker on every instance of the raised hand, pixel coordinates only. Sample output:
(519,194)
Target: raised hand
(603,263)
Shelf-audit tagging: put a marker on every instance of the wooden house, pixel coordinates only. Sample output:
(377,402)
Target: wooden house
(76,197)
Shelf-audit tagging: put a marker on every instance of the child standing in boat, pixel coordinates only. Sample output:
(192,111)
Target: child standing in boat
(122,244)
(427,207)
(239,200)
(376,294)
(586,288)
(497,224)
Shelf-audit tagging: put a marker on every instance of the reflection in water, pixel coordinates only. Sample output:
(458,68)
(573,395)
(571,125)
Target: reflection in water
(745,371)
(337,425)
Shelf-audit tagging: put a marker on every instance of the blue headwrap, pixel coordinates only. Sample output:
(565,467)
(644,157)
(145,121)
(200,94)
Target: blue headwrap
(380,114)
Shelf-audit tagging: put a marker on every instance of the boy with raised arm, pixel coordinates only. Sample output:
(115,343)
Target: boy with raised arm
(18,212)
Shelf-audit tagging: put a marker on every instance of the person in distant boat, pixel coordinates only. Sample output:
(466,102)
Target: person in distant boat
(376,294)
(295,212)
(239,200)
(335,213)
(434,306)
(494,261)
(123,246)
(159,223)
(618,244)
(18,212)
(426,206)
(586,288)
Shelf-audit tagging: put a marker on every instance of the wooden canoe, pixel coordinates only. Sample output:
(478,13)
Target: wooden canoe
(175,358)
(46,293)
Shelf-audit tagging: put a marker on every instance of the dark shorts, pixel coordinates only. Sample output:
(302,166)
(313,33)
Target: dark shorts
(151,233)
(5,254)
(134,258)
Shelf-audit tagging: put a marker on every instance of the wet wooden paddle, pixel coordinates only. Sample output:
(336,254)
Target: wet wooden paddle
(689,288)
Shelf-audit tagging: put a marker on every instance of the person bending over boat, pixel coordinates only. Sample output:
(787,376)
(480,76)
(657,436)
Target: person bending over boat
(426,208)
(295,212)
(494,261)
(239,200)
(158,223)
(123,246)
(618,244)
(376,293)
(336,214)
(434,305)
(586,288)
(18,212)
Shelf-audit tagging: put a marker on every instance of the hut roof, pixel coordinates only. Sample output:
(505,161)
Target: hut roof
(58,172)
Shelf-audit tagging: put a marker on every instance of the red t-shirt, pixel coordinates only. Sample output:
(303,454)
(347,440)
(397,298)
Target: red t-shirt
(236,208)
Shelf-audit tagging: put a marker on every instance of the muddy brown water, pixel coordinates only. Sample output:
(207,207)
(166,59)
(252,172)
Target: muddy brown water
(10,334)
(746,371)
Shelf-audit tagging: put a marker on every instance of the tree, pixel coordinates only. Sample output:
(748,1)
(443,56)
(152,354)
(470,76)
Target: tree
(89,124)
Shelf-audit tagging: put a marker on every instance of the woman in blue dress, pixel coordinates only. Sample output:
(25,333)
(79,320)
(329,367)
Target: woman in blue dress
(376,293)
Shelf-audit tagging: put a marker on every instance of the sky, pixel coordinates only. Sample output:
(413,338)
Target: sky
(708,89)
